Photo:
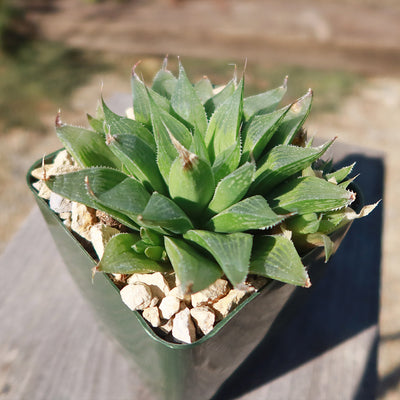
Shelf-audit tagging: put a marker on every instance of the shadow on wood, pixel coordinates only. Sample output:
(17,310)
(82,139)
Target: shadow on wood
(343,305)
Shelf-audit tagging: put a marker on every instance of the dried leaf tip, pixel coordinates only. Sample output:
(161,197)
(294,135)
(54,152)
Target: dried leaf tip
(252,159)
(188,158)
(366,210)
(245,66)
(44,173)
(300,139)
(334,139)
(94,270)
(88,188)
(234,73)
(298,105)
(307,283)
(134,68)
(165,63)
(110,139)
(59,123)
(354,178)
(285,81)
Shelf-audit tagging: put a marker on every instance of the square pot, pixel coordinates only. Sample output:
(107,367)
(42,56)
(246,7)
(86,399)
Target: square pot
(179,371)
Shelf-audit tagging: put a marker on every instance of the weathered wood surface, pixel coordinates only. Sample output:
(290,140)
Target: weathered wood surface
(52,348)
(316,34)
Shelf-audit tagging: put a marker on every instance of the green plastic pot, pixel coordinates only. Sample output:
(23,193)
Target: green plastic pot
(178,371)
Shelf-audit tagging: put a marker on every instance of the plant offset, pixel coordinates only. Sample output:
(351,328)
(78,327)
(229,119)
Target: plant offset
(207,182)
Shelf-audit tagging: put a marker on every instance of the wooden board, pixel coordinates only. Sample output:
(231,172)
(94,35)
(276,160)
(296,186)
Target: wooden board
(52,348)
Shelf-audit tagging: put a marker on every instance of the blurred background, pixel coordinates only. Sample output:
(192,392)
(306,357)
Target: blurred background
(59,53)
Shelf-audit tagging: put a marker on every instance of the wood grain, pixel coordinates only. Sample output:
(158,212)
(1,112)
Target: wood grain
(50,345)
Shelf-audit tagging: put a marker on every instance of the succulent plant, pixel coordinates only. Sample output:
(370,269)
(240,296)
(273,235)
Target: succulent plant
(208,182)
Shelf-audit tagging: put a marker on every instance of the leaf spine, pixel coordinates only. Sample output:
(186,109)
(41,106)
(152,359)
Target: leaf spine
(94,270)
(58,121)
(188,158)
(134,68)
(285,81)
(44,173)
(110,139)
(88,188)
(165,63)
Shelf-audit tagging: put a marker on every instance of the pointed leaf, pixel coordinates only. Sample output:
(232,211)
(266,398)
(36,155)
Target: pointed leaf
(293,121)
(179,130)
(276,257)
(128,196)
(258,132)
(204,89)
(282,162)
(232,252)
(334,220)
(341,174)
(307,195)
(251,213)
(191,184)
(187,104)
(164,82)
(194,271)
(124,125)
(303,224)
(138,159)
(96,124)
(328,247)
(198,146)
(107,184)
(223,129)
(319,239)
(120,258)
(88,148)
(141,102)
(99,115)
(226,162)
(219,98)
(263,103)
(232,188)
(347,182)
(163,124)
(162,211)
(151,237)
(331,221)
